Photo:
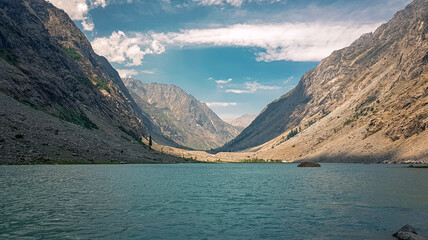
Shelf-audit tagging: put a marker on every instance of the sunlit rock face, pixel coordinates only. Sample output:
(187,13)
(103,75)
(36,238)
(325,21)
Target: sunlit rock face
(180,116)
(366,102)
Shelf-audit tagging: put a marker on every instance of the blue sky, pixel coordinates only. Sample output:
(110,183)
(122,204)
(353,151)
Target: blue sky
(235,55)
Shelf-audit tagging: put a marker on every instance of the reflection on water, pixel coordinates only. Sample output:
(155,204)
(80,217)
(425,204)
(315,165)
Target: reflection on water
(213,201)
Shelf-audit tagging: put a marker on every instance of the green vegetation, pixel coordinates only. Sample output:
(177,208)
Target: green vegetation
(78,118)
(72,53)
(311,122)
(256,160)
(349,121)
(85,81)
(360,112)
(8,57)
(101,84)
(363,112)
(293,133)
(369,100)
(324,114)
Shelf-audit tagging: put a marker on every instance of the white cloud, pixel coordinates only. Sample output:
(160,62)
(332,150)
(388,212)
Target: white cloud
(148,72)
(219,82)
(275,42)
(101,3)
(221,104)
(126,73)
(121,48)
(286,41)
(252,87)
(88,25)
(78,10)
(235,3)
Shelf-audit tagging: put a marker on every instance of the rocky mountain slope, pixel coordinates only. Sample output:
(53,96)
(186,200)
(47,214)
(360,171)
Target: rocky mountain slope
(49,65)
(242,121)
(366,102)
(180,116)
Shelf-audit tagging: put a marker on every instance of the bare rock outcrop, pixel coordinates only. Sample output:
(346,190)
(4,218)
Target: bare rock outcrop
(367,102)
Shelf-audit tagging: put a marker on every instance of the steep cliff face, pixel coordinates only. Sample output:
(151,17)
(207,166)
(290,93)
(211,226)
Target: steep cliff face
(48,64)
(180,116)
(55,69)
(373,92)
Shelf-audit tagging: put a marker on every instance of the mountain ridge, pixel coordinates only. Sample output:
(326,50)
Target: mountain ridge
(241,121)
(180,116)
(377,85)
(48,64)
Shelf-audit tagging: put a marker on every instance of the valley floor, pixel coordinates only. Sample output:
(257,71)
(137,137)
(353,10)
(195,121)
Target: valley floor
(30,136)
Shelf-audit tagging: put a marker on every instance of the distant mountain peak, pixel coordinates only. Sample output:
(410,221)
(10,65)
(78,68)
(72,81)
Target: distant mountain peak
(180,116)
(242,121)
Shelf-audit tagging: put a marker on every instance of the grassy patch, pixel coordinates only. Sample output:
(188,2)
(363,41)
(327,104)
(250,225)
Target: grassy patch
(78,118)
(9,57)
(349,121)
(363,112)
(293,133)
(360,113)
(72,53)
(369,100)
(101,84)
(256,160)
(311,122)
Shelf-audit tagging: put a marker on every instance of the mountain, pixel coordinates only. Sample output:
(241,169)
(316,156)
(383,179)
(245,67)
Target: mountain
(242,121)
(48,69)
(366,102)
(180,116)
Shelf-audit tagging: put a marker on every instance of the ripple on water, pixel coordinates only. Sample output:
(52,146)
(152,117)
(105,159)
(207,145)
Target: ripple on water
(213,201)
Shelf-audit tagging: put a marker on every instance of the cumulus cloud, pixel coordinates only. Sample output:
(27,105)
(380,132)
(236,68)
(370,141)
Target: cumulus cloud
(88,25)
(274,42)
(286,41)
(78,10)
(221,104)
(252,87)
(130,50)
(126,73)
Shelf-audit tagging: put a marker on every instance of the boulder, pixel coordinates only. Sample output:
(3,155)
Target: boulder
(308,164)
(405,228)
(407,232)
(409,236)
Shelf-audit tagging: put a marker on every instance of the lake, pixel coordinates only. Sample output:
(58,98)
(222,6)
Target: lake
(211,201)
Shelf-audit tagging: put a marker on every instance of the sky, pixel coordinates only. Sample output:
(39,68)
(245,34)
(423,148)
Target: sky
(237,56)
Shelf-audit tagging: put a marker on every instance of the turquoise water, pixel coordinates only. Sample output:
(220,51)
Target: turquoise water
(211,201)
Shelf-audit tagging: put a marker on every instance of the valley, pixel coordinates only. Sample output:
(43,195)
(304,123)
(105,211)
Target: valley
(365,103)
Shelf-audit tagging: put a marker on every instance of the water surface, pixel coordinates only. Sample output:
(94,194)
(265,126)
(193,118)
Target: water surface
(211,201)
